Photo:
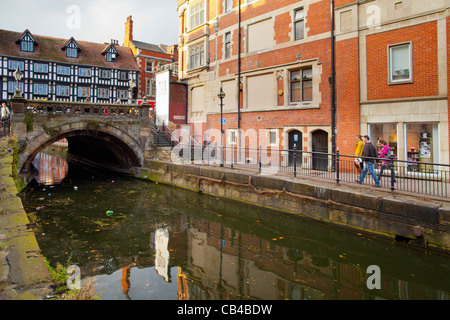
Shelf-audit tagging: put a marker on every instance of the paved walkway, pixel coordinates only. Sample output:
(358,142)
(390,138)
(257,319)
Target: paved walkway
(23,274)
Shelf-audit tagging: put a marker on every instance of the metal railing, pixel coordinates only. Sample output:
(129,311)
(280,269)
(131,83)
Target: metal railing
(418,177)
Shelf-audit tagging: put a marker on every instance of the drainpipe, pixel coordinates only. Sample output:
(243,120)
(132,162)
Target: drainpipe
(333,84)
(239,77)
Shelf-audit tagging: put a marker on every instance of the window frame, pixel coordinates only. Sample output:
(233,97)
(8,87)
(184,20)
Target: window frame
(391,81)
(227,45)
(200,13)
(296,21)
(301,81)
(197,59)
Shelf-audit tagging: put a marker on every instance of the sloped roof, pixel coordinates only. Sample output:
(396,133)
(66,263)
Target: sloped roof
(49,49)
(148,46)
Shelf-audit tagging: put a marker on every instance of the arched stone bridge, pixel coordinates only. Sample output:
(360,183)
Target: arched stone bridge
(117,135)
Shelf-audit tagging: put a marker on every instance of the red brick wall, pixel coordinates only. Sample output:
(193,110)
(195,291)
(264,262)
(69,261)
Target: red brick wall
(425,62)
(347,95)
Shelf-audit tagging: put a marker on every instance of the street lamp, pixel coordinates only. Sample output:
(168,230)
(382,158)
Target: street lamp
(18,76)
(221,96)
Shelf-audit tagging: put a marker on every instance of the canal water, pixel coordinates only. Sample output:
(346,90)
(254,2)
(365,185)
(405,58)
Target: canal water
(145,241)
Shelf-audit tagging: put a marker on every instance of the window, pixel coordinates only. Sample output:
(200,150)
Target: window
(123,76)
(12,86)
(228,5)
(197,15)
(111,57)
(40,68)
(149,65)
(40,89)
(84,92)
(122,94)
(27,46)
(103,93)
(196,56)
(12,65)
(299,24)
(84,72)
(300,83)
(105,74)
(232,136)
(400,66)
(150,89)
(272,137)
(71,53)
(62,70)
(227,41)
(63,91)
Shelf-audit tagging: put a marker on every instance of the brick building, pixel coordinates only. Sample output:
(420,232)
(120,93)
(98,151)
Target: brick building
(65,69)
(285,69)
(400,50)
(149,58)
(390,61)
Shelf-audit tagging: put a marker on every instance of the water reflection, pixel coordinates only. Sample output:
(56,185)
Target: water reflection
(166,243)
(51,164)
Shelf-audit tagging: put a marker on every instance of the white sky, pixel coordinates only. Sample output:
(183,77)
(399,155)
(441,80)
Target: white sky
(155,21)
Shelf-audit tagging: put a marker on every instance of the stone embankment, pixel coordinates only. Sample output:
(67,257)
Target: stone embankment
(23,274)
(406,217)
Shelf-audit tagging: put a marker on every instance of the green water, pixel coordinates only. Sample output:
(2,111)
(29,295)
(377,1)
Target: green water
(141,240)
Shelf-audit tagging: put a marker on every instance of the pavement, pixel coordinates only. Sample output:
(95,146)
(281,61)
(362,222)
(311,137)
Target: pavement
(23,274)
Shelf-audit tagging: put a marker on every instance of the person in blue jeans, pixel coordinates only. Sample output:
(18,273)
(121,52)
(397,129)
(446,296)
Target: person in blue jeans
(369,153)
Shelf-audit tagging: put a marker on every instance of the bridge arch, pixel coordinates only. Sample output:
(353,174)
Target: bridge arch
(129,152)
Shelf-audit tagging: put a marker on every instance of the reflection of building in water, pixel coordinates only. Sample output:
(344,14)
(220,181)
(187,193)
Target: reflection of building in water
(52,163)
(162,253)
(223,264)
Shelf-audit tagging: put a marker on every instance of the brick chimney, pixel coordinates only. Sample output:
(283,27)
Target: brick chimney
(128,32)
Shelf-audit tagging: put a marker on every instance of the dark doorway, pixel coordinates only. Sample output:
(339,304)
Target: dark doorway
(295,142)
(320,144)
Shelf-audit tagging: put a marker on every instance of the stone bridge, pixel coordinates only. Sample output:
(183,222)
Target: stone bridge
(118,136)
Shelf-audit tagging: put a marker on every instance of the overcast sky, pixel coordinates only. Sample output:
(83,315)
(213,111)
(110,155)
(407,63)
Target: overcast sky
(155,21)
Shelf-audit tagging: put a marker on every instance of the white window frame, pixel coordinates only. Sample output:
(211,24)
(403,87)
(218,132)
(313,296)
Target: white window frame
(390,70)
(197,9)
(227,53)
(228,5)
(199,57)
(269,135)
(295,21)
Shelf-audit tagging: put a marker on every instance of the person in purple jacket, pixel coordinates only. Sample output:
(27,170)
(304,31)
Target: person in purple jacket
(384,154)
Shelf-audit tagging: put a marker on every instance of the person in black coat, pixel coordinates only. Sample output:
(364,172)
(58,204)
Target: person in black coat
(369,155)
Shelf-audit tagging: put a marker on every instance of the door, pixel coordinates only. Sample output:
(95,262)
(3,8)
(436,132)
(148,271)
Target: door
(295,142)
(320,144)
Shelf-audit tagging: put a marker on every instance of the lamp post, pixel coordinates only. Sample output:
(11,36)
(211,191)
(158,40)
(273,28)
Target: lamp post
(18,76)
(221,96)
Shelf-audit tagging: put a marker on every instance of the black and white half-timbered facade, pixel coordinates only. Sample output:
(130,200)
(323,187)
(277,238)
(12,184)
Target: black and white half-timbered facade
(65,70)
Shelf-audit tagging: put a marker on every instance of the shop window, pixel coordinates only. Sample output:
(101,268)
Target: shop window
(386,132)
(421,146)
(400,65)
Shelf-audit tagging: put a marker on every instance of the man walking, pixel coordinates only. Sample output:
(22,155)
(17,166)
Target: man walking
(369,151)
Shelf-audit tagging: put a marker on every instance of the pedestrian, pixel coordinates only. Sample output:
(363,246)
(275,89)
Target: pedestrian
(358,153)
(384,154)
(369,153)
(5,111)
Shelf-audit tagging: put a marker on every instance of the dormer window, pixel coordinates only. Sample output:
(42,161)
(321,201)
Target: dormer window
(72,49)
(110,53)
(27,42)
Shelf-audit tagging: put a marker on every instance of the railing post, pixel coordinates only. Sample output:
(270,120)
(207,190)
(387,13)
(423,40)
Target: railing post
(337,166)
(232,155)
(260,160)
(221,156)
(295,160)
(391,167)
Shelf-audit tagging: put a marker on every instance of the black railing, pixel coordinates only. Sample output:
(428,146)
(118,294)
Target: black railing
(5,128)
(420,177)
